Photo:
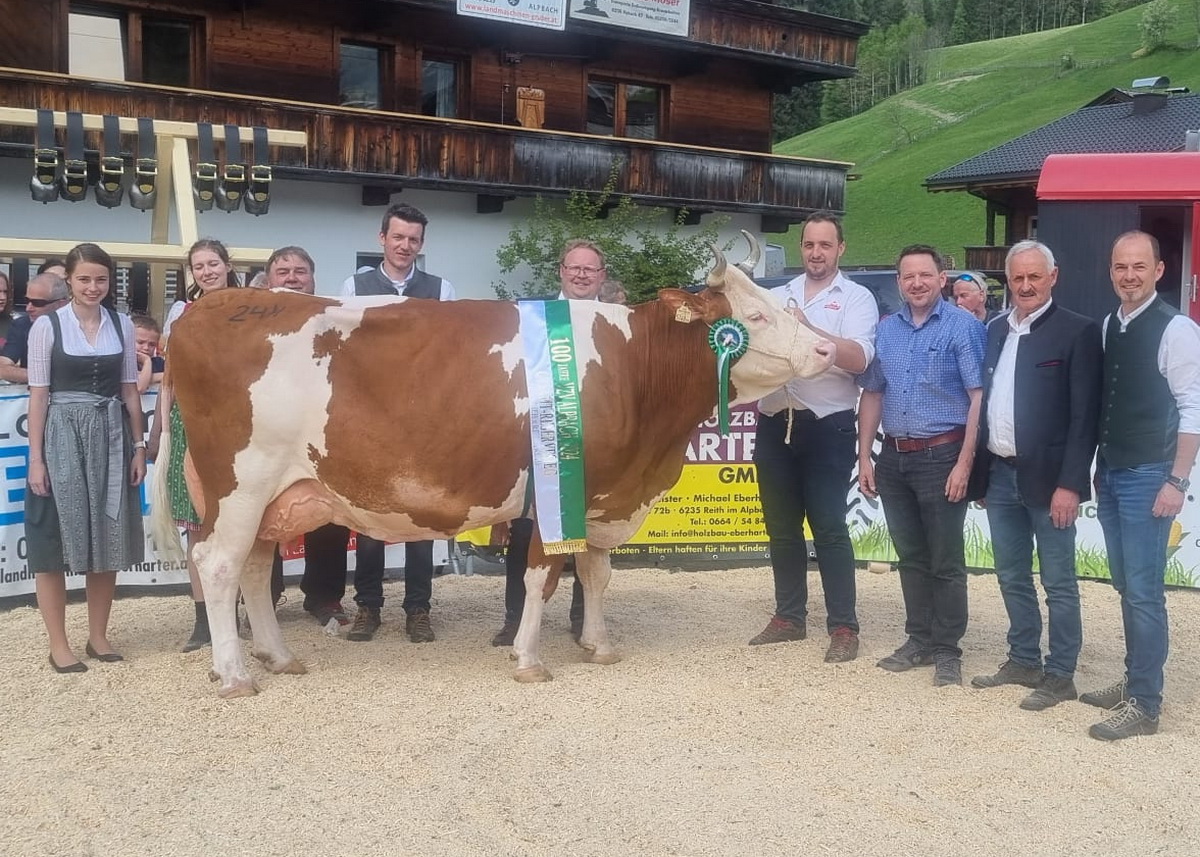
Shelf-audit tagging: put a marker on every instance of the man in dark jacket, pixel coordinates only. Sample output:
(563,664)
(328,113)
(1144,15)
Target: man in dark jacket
(1041,398)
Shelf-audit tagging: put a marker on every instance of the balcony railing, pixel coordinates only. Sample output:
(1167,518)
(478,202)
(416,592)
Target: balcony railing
(989,260)
(375,147)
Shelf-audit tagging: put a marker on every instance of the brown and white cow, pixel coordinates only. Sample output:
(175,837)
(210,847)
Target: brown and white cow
(409,419)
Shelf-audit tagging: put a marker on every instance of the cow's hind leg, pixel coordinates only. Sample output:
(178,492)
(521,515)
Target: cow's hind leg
(594,570)
(269,646)
(220,568)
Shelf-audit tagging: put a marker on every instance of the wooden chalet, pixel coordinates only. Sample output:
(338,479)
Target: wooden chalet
(468,117)
(1006,177)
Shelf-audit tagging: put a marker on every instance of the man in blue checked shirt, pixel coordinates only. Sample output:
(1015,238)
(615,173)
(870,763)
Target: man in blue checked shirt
(925,383)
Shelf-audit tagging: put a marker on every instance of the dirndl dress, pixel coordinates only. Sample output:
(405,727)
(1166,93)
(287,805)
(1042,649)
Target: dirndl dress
(92,520)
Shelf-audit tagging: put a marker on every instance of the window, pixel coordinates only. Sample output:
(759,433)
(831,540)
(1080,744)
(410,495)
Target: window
(624,109)
(362,75)
(439,88)
(117,45)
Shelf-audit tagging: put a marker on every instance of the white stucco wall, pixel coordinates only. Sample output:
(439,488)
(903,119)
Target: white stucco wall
(326,218)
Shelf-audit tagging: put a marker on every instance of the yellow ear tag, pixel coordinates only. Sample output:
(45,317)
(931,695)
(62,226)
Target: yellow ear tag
(684,314)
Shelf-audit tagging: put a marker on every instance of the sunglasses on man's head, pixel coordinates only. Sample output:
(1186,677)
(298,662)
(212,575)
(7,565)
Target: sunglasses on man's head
(41,302)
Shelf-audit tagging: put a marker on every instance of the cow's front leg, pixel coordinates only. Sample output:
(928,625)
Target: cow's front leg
(219,572)
(525,646)
(269,646)
(594,570)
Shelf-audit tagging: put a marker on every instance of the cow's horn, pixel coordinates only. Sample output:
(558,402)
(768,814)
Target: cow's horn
(748,264)
(716,277)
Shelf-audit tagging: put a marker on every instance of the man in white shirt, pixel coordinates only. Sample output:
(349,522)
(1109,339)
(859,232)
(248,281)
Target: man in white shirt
(1149,435)
(1041,400)
(806,445)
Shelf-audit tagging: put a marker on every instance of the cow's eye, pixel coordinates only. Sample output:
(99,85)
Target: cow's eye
(755,316)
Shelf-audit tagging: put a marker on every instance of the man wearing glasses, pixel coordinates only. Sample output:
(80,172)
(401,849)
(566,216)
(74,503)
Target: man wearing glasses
(44,294)
(581,273)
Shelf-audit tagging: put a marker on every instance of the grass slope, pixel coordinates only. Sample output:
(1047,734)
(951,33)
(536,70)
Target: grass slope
(979,96)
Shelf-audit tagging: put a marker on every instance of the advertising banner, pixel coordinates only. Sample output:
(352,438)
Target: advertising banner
(549,14)
(669,17)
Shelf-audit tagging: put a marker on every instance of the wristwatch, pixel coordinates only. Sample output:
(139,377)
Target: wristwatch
(1180,482)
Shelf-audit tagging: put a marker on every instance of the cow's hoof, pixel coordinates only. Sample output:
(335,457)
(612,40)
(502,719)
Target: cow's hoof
(591,656)
(292,666)
(246,687)
(531,675)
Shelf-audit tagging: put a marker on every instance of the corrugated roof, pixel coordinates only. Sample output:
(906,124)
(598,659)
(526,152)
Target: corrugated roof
(1106,128)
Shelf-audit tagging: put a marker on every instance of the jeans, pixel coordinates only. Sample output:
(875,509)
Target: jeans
(927,531)
(325,569)
(808,477)
(1014,525)
(1137,559)
(516,562)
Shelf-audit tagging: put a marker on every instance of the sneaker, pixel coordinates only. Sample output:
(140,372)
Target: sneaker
(325,611)
(418,628)
(1011,672)
(507,634)
(1110,697)
(366,623)
(1053,690)
(911,654)
(1127,720)
(780,630)
(947,670)
(843,646)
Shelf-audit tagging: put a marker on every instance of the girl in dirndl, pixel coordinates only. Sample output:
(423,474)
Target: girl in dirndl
(83,510)
(210,270)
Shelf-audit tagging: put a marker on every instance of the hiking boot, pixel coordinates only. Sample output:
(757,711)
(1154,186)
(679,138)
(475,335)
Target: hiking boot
(507,634)
(366,623)
(843,646)
(418,628)
(1110,697)
(780,630)
(911,654)
(947,670)
(1011,672)
(1053,690)
(327,610)
(1127,720)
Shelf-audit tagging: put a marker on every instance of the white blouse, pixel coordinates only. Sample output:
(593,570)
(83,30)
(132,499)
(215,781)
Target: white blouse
(41,344)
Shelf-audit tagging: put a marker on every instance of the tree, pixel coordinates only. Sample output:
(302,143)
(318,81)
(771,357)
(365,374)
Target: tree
(1156,22)
(638,252)
(796,112)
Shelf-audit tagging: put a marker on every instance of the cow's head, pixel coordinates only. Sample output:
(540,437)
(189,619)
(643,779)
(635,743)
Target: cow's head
(781,348)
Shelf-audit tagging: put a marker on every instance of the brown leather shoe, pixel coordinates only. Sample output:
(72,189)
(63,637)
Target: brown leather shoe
(843,646)
(366,623)
(780,630)
(418,628)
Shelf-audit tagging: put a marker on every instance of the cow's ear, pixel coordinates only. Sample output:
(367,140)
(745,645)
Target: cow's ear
(687,306)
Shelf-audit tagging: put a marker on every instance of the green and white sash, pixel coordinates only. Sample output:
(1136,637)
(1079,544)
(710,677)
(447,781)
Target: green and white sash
(555,424)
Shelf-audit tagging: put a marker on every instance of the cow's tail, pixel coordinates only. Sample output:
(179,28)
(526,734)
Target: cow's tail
(164,534)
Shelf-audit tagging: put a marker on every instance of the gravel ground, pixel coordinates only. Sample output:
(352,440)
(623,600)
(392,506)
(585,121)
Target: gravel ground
(695,744)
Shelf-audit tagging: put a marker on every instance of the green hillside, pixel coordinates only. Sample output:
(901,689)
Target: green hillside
(979,96)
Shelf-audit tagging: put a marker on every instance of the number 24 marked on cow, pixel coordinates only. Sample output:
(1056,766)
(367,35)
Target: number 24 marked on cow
(246,312)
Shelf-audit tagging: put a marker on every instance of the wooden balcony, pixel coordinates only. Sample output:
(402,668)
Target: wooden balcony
(494,161)
(988,260)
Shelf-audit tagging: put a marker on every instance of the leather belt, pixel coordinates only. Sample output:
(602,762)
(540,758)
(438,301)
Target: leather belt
(919,444)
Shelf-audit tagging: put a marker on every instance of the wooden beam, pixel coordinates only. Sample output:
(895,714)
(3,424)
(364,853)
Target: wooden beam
(27,117)
(124,251)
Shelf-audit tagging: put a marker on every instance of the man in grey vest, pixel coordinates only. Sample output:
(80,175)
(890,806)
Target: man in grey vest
(402,235)
(1149,435)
